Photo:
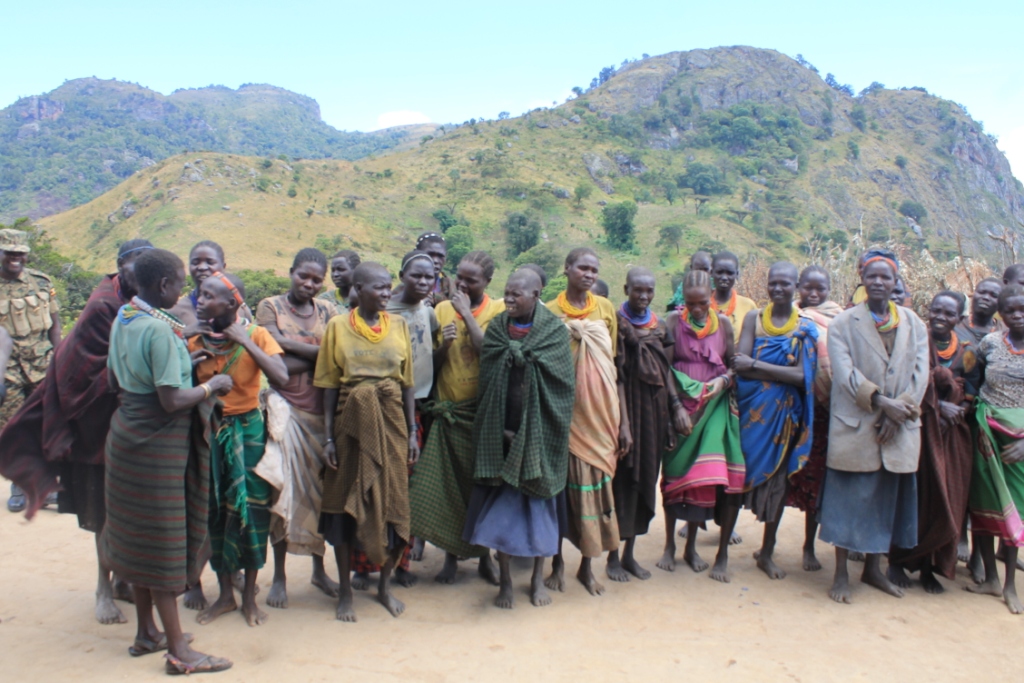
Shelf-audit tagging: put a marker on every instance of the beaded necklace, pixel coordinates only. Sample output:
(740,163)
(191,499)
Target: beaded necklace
(787,327)
(645,321)
(176,325)
(951,348)
(889,321)
(1010,347)
(372,334)
(730,308)
(703,329)
(571,311)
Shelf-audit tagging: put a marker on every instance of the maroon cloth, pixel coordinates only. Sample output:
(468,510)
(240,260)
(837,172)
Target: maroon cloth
(805,485)
(67,417)
(943,477)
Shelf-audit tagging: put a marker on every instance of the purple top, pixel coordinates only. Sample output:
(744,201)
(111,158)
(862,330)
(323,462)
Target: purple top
(699,359)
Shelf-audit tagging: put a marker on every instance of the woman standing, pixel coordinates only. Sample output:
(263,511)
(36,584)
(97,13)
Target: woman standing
(702,477)
(205,259)
(595,439)
(292,461)
(997,485)
(814,287)
(158,462)
(343,264)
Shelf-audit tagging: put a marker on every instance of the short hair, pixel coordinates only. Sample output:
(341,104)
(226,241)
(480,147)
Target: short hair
(1009,291)
(529,274)
(601,288)
(482,259)
(638,271)
(538,270)
(725,256)
(960,299)
(237,282)
(153,265)
(310,255)
(696,278)
(993,280)
(430,237)
(576,253)
(412,256)
(367,269)
(814,268)
(349,255)
(1013,272)
(785,265)
(132,249)
(701,252)
(210,244)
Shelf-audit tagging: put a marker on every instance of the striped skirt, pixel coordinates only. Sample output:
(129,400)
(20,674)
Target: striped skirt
(157,494)
(593,526)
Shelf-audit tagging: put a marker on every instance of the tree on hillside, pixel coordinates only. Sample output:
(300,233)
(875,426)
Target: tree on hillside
(873,88)
(912,209)
(577,90)
(618,224)
(671,192)
(670,236)
(523,232)
(859,117)
(583,191)
(460,242)
(703,179)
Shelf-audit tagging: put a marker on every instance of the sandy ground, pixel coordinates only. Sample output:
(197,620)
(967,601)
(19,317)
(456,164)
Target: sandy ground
(675,624)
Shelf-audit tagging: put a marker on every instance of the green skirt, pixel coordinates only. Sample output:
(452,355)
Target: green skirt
(240,499)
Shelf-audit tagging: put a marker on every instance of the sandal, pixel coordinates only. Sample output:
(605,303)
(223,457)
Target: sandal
(208,664)
(142,646)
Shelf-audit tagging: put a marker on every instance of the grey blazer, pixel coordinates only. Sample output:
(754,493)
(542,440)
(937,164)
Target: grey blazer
(860,367)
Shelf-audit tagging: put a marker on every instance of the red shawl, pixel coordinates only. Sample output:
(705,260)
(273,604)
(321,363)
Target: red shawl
(67,417)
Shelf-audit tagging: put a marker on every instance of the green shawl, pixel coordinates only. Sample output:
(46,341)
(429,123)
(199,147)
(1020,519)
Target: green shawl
(537,460)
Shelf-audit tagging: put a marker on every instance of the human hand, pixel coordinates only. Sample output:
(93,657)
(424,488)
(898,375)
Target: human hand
(449,333)
(329,456)
(625,440)
(220,384)
(951,413)
(716,386)
(414,448)
(741,363)
(460,302)
(235,332)
(1013,453)
(199,355)
(681,421)
(887,429)
(897,411)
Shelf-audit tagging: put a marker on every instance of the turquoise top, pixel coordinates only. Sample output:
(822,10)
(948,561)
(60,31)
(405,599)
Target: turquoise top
(145,353)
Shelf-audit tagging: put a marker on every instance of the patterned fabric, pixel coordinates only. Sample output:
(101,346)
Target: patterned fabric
(27,305)
(536,461)
(277,311)
(593,527)
(157,494)
(1003,387)
(240,506)
(997,488)
(291,464)
(371,483)
(442,483)
(776,419)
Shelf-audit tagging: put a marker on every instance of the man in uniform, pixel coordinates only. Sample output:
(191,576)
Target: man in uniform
(30,315)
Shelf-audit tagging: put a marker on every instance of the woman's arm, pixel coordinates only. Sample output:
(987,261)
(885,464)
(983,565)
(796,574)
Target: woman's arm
(272,366)
(750,368)
(460,301)
(292,347)
(176,399)
(329,455)
(409,403)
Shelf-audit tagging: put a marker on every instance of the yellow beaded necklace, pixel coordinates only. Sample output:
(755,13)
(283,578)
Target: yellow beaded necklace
(766,321)
(372,334)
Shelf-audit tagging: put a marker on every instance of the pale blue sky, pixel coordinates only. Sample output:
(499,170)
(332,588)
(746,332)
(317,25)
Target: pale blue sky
(369,64)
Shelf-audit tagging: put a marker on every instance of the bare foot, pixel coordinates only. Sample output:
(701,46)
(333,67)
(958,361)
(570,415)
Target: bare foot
(326,584)
(840,591)
(875,577)
(631,566)
(855,556)
(720,572)
(361,581)
(223,605)
(278,595)
(123,590)
(238,581)
(765,564)
(930,583)
(254,616)
(811,563)
(1012,602)
(696,562)
(486,570)
(447,573)
(963,553)
(735,539)
(416,555)
(977,568)
(107,612)
(614,570)
(685,531)
(988,587)
(505,597)
(405,578)
(589,582)
(391,604)
(898,576)
(195,599)
(345,612)
(539,596)
(668,560)
(556,580)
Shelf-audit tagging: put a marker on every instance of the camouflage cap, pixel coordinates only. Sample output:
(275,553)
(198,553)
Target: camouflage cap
(14,240)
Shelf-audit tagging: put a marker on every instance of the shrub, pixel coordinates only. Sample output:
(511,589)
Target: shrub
(260,284)
(703,179)
(460,242)
(523,232)
(618,224)
(901,161)
(912,209)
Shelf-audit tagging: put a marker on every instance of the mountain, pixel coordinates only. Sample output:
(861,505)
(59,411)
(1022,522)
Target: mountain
(70,145)
(731,147)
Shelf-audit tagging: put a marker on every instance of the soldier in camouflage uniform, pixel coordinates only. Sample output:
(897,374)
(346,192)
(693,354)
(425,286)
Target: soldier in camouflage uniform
(29,313)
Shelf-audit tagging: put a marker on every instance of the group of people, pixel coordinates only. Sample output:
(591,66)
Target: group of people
(376,418)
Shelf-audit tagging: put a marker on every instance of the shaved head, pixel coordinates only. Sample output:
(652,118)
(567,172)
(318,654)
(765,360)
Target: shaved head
(369,271)
(526,278)
(638,272)
(784,267)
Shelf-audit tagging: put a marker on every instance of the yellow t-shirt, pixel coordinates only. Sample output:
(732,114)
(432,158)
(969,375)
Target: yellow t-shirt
(347,357)
(457,381)
(743,306)
(605,312)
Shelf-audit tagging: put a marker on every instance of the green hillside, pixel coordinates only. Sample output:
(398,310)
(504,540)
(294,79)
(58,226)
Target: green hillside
(70,145)
(729,147)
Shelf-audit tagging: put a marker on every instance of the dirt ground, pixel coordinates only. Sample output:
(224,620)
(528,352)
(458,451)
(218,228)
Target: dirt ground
(675,624)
